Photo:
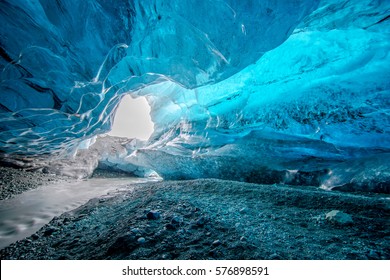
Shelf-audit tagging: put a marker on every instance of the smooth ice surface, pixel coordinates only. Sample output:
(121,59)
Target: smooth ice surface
(263,91)
(66,64)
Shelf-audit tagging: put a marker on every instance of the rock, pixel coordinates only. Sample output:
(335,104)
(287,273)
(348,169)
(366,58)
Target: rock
(165,256)
(181,232)
(64,257)
(373,255)
(49,231)
(177,220)
(339,217)
(353,256)
(170,226)
(35,236)
(275,257)
(215,253)
(141,240)
(201,221)
(303,224)
(135,231)
(153,215)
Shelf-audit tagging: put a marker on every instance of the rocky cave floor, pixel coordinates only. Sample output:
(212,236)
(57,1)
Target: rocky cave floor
(215,219)
(16,181)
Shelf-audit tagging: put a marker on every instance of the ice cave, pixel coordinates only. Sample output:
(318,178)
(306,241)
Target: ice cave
(292,93)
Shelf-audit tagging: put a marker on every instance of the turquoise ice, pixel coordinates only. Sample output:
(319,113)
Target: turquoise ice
(262,91)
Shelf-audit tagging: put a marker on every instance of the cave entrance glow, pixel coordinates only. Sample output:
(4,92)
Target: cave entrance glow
(132,119)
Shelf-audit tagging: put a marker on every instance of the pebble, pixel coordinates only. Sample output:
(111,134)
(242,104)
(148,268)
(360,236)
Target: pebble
(141,240)
(64,257)
(177,220)
(373,255)
(49,231)
(275,257)
(170,226)
(201,221)
(338,217)
(181,233)
(135,230)
(35,236)
(153,215)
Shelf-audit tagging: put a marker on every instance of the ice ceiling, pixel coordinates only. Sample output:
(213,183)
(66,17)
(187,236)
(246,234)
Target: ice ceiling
(263,91)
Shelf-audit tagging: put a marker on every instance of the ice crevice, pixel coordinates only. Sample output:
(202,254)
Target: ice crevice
(259,91)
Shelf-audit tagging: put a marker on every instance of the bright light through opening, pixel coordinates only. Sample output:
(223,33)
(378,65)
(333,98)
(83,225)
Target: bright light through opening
(132,119)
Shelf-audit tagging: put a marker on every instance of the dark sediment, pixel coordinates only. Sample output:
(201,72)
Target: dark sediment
(215,219)
(15,181)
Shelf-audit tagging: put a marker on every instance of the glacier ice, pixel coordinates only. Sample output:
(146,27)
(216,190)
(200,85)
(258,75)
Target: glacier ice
(104,152)
(259,91)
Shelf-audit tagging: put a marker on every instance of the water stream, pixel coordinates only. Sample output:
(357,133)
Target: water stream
(24,214)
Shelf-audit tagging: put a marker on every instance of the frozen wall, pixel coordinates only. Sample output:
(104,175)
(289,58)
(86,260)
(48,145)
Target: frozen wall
(264,91)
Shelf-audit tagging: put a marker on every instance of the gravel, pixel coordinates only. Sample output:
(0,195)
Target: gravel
(16,181)
(279,222)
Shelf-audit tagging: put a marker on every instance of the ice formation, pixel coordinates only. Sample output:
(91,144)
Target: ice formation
(260,91)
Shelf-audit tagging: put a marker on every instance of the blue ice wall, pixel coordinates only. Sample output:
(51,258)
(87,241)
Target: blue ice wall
(65,64)
(264,91)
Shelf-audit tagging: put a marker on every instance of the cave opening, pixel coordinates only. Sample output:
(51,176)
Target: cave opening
(132,119)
